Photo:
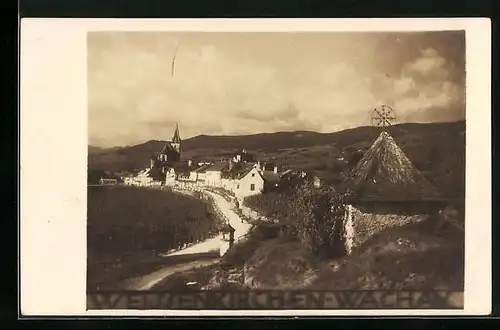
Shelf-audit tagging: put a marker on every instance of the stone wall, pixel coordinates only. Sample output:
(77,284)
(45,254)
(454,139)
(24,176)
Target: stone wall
(364,221)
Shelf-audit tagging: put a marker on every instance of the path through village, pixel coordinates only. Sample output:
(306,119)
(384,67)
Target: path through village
(146,282)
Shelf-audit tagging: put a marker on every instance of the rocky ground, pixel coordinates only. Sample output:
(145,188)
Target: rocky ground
(409,257)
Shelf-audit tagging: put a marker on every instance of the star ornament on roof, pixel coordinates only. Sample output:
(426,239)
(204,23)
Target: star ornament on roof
(383,116)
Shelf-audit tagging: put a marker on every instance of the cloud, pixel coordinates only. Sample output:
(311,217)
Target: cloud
(429,62)
(426,83)
(233,85)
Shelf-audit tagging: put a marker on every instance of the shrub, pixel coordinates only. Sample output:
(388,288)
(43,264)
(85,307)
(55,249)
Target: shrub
(274,204)
(319,217)
(314,215)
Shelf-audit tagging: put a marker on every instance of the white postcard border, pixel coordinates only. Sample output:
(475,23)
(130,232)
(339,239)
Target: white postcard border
(53,156)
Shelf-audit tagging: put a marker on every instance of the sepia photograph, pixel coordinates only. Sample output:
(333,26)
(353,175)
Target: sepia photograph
(276,170)
(254,167)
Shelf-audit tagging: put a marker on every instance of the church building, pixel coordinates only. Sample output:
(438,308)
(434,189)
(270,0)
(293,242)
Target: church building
(169,155)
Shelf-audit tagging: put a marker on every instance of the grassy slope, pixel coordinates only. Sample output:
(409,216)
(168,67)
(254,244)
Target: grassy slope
(127,226)
(407,257)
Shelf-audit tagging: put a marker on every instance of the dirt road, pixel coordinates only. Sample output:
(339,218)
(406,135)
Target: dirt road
(146,282)
(213,244)
(241,228)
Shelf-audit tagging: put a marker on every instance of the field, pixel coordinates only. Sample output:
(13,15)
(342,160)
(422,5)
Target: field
(127,227)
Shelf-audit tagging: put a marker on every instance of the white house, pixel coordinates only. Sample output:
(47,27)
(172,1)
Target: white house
(229,183)
(128,180)
(202,176)
(213,174)
(143,178)
(193,176)
(181,175)
(198,174)
(170,177)
(251,183)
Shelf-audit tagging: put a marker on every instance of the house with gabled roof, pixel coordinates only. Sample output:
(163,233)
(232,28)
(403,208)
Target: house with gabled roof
(213,174)
(232,174)
(200,173)
(256,179)
(250,183)
(386,190)
(185,174)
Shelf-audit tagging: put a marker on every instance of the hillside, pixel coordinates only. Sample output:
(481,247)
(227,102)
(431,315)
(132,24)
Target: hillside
(411,257)
(437,149)
(127,227)
(137,156)
(123,158)
(264,141)
(407,257)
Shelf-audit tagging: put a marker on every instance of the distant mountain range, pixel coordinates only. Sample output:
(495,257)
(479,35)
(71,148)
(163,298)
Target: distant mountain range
(136,157)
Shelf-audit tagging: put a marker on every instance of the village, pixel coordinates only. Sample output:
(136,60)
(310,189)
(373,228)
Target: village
(225,183)
(240,175)
(388,190)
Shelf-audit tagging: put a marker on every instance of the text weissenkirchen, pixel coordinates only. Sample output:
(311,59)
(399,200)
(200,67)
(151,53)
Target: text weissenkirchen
(274,299)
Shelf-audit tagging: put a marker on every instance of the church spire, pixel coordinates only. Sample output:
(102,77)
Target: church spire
(176,138)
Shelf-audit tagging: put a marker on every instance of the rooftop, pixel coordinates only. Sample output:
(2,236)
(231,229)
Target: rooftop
(239,170)
(217,167)
(270,176)
(386,174)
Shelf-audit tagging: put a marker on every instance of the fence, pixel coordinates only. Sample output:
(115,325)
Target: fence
(227,195)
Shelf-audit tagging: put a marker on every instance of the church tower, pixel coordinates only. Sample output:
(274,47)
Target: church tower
(176,140)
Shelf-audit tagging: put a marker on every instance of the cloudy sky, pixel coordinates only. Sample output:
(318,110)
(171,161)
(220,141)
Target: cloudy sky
(245,83)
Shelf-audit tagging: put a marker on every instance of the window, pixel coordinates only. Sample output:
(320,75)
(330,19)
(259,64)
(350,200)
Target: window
(252,187)
(253,174)
(238,186)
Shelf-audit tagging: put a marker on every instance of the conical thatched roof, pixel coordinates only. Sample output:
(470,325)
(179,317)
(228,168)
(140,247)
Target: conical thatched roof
(386,174)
